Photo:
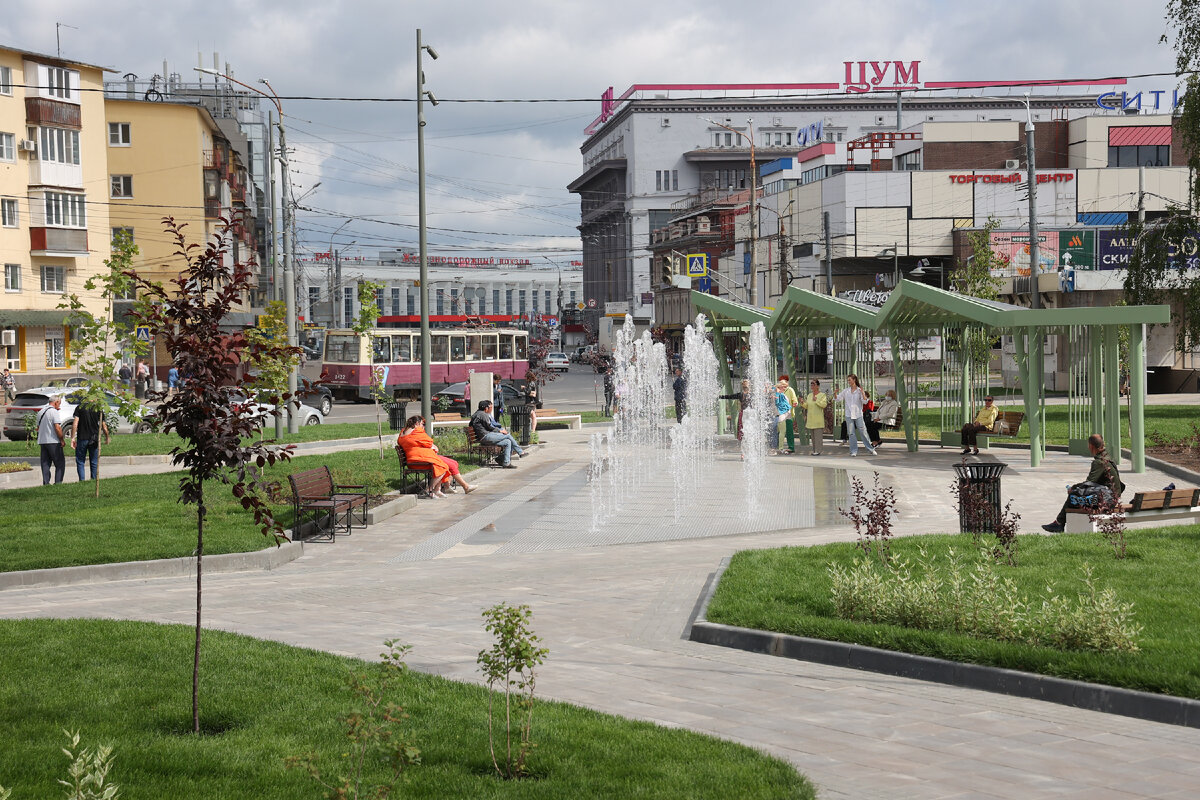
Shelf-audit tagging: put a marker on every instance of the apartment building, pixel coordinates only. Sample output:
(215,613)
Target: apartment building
(54,214)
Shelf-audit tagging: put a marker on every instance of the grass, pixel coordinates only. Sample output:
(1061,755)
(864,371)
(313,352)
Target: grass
(787,590)
(1172,422)
(129,684)
(138,517)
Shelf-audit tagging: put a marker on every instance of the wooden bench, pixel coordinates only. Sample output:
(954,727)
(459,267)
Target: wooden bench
(446,419)
(1168,504)
(317,499)
(1006,426)
(894,424)
(407,469)
(552,415)
(483,453)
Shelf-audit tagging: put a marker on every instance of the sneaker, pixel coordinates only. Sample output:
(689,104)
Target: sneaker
(508,466)
(966,451)
(1053,527)
(872,451)
(975,452)
(854,455)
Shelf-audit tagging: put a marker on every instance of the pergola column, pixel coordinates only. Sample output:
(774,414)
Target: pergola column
(1112,394)
(723,369)
(1137,396)
(910,430)
(793,369)
(1023,358)
(1095,383)
(1034,405)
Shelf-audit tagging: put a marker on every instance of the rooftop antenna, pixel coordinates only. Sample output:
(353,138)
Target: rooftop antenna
(58,26)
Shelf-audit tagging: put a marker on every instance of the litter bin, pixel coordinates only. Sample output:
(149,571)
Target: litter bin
(396,414)
(518,422)
(979,497)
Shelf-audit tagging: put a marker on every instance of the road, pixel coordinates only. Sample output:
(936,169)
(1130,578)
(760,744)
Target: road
(578,389)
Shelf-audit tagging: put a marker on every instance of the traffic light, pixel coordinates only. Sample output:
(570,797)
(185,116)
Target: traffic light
(668,272)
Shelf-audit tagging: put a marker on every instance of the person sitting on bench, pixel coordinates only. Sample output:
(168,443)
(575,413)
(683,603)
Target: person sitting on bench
(488,431)
(1102,473)
(984,421)
(888,407)
(421,451)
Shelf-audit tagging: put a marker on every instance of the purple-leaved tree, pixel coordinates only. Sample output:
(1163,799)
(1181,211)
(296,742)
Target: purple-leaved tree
(217,427)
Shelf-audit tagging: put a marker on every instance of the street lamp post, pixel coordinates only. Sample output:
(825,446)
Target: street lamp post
(895,253)
(753,291)
(335,277)
(426,389)
(289,275)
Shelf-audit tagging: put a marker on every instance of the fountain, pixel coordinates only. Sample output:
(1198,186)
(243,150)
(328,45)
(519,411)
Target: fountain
(757,418)
(693,441)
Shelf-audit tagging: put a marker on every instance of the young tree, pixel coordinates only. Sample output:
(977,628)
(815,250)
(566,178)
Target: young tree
(976,277)
(1158,272)
(93,338)
(364,323)
(205,413)
(272,366)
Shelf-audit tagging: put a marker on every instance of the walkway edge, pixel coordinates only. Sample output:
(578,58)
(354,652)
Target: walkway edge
(1094,697)
(265,559)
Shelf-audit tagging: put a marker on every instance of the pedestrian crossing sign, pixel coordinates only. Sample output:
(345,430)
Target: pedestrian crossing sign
(143,333)
(697,265)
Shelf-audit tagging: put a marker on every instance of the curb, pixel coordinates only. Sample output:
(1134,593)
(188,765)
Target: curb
(266,559)
(1079,694)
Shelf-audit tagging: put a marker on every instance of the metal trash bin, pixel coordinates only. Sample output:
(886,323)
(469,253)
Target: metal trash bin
(396,414)
(519,417)
(979,496)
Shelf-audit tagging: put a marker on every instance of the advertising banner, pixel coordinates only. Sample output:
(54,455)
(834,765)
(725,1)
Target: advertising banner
(1012,251)
(1114,248)
(1077,249)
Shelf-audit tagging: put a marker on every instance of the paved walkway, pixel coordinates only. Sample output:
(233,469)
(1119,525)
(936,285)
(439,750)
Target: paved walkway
(613,616)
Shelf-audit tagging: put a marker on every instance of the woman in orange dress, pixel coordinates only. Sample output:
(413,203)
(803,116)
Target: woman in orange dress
(420,450)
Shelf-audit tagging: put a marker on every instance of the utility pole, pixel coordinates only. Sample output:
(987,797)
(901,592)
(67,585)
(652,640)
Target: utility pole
(1036,350)
(426,388)
(338,306)
(828,255)
(275,276)
(1035,300)
(753,219)
(1141,195)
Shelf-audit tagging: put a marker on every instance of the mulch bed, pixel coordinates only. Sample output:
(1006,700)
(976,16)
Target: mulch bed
(1186,457)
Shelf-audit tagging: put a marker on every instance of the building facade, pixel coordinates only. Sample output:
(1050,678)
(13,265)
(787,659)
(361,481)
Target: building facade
(54,220)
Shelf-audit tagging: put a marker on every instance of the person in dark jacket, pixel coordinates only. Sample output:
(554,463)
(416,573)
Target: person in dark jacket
(1103,472)
(679,387)
(488,431)
(743,398)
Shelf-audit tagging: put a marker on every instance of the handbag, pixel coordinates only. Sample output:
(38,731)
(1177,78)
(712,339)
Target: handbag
(1089,494)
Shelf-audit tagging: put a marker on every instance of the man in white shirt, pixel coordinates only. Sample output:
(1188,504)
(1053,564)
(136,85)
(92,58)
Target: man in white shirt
(50,438)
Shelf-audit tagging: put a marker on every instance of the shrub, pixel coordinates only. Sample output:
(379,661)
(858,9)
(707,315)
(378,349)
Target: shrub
(510,664)
(87,774)
(975,599)
(872,515)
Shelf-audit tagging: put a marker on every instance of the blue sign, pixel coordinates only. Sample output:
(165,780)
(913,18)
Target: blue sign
(143,333)
(697,265)
(745,263)
(811,134)
(704,284)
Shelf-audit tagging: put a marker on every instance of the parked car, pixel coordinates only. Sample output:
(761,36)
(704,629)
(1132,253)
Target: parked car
(264,413)
(31,401)
(68,383)
(557,361)
(320,397)
(455,392)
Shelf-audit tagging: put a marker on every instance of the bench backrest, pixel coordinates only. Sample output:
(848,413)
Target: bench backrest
(447,416)
(311,483)
(1009,423)
(546,412)
(1168,498)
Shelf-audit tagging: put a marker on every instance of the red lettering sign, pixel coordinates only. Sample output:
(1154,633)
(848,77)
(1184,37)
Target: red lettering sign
(903,76)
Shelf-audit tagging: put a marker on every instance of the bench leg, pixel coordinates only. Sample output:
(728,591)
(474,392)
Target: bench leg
(323,523)
(1079,523)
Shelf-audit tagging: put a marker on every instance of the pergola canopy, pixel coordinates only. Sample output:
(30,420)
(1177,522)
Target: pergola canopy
(724,313)
(803,308)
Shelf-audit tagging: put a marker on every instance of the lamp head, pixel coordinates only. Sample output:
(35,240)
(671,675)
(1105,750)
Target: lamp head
(432,53)
(433,101)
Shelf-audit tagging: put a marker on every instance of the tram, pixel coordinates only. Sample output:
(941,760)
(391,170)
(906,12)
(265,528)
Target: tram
(454,354)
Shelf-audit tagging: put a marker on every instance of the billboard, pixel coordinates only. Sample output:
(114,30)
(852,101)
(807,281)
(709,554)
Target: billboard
(1077,249)
(1114,247)
(1012,251)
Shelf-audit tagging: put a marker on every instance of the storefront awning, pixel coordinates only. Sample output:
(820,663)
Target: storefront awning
(12,318)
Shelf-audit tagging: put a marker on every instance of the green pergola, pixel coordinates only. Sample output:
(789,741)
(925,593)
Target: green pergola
(1090,337)
(727,315)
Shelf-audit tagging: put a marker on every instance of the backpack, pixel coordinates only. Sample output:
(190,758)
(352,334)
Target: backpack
(1089,495)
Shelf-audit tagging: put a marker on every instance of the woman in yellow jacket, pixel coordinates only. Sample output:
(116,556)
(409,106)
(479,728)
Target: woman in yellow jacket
(814,404)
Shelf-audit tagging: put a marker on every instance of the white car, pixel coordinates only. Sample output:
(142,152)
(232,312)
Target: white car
(31,401)
(557,361)
(264,414)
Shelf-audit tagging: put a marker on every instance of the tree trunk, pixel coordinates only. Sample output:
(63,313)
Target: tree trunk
(379,424)
(199,573)
(96,477)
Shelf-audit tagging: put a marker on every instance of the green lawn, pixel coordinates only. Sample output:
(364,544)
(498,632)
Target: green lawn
(787,590)
(129,684)
(138,517)
(1170,421)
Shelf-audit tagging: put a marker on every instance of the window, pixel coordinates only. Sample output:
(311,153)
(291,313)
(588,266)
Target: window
(454,301)
(766,140)
(59,145)
(412,304)
(118,134)
(8,147)
(508,306)
(519,343)
(122,231)
(6,84)
(548,308)
(489,347)
(342,348)
(674,180)
(658,180)
(347,303)
(65,210)
(458,348)
(909,161)
(787,139)
(535,301)
(381,349)
(475,347)
(56,348)
(506,347)
(729,140)
(395,301)
(122,185)
(8,212)
(54,279)
(440,307)
(482,294)
(1146,155)
(521,301)
(779,140)
(573,301)
(439,348)
(12,277)
(58,82)
(716,140)
(402,348)
(495,301)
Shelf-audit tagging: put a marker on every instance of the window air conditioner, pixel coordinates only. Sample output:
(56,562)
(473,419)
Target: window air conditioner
(29,145)
(8,338)
(1012,163)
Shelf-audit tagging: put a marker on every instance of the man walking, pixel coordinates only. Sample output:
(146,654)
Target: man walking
(609,388)
(490,432)
(680,389)
(50,439)
(85,438)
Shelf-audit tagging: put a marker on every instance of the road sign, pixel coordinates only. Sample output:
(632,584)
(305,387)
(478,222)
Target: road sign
(697,265)
(591,302)
(580,306)
(143,333)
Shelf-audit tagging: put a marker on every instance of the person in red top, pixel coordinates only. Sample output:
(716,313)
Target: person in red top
(420,450)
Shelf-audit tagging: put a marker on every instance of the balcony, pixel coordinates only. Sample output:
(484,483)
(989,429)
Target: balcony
(43,111)
(68,242)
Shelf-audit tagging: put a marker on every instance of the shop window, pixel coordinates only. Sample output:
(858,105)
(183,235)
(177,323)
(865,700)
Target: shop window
(56,348)
(1146,155)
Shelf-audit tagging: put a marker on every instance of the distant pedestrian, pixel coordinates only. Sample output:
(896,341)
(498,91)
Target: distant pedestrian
(497,399)
(125,374)
(8,385)
(815,403)
(50,440)
(743,398)
(853,399)
(609,389)
(141,375)
(173,380)
(789,424)
(679,387)
(85,438)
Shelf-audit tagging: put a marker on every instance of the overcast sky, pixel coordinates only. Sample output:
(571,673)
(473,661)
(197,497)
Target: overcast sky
(501,169)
